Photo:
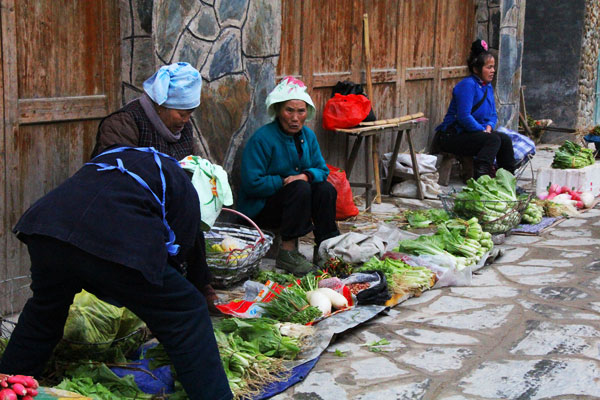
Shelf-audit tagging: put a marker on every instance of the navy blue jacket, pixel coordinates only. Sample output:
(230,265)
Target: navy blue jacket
(467,93)
(110,215)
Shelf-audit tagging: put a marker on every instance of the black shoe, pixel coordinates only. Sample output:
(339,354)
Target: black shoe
(480,169)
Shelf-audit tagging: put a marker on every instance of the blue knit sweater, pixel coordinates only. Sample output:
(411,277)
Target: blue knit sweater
(465,95)
(270,156)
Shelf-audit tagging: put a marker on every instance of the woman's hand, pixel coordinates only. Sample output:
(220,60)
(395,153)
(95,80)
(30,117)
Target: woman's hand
(488,129)
(293,178)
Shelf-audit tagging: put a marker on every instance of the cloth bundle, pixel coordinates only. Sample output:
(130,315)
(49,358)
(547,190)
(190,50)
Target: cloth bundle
(210,181)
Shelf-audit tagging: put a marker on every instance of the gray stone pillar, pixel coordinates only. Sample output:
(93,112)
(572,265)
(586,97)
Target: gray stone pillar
(588,66)
(508,80)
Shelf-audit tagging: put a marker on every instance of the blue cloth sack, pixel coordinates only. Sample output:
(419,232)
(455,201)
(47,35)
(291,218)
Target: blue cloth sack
(522,145)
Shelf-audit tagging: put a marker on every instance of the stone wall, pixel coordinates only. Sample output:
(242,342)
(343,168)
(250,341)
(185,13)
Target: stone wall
(588,66)
(233,43)
(500,23)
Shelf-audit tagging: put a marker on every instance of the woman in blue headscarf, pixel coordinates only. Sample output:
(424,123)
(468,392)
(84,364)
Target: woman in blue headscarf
(160,117)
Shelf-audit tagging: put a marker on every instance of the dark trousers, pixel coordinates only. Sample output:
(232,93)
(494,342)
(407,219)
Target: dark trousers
(301,207)
(175,312)
(484,147)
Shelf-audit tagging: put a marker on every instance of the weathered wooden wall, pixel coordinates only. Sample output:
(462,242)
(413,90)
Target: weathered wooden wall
(60,65)
(418,47)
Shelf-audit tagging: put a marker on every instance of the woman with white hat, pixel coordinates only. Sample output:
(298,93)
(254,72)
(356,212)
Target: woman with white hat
(284,176)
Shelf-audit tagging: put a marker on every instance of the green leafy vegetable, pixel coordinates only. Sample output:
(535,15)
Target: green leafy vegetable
(424,218)
(571,155)
(340,353)
(282,279)
(96,380)
(376,347)
(264,333)
(493,201)
(400,276)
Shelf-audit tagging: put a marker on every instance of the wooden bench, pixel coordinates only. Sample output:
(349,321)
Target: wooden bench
(367,132)
(448,161)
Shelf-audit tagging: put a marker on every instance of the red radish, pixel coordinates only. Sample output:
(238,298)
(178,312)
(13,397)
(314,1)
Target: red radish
(30,382)
(4,383)
(7,394)
(19,389)
(575,196)
(579,204)
(22,379)
(27,398)
(554,188)
(31,392)
(565,189)
(551,195)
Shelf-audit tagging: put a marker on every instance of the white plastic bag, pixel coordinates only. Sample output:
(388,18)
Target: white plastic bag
(408,188)
(352,247)
(426,163)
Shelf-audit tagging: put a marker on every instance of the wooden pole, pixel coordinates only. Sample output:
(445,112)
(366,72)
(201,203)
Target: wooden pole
(375,153)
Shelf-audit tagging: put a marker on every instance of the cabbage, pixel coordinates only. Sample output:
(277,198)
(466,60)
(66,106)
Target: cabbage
(94,326)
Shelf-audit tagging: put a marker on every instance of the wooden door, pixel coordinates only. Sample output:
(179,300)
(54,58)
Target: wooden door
(418,48)
(60,65)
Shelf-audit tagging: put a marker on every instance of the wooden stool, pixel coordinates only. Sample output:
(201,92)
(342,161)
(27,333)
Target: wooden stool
(448,161)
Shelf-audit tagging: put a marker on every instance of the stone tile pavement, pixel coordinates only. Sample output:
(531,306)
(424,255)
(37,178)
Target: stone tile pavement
(528,328)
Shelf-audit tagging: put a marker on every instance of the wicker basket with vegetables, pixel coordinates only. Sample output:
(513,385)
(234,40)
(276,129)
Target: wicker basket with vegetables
(234,252)
(493,201)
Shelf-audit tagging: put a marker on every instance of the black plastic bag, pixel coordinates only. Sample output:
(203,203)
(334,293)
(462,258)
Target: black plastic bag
(349,87)
(377,294)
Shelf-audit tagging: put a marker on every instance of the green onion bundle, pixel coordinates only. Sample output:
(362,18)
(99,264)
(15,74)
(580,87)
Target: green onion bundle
(291,305)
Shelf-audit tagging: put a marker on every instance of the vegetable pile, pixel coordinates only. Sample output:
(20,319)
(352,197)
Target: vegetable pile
(533,214)
(463,241)
(291,305)
(401,277)
(571,155)
(563,195)
(493,201)
(424,218)
(17,387)
(252,352)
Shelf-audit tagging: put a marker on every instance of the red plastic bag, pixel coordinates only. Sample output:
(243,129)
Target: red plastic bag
(344,206)
(345,111)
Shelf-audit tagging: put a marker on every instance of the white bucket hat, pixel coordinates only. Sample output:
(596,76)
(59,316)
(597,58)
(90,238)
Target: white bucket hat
(289,88)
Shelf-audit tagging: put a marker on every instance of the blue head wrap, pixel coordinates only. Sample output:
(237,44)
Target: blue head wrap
(175,86)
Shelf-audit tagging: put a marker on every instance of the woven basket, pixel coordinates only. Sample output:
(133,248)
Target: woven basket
(232,267)
(6,328)
(503,224)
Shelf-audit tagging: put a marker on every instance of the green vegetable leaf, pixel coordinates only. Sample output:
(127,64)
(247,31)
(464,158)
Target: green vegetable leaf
(375,347)
(340,353)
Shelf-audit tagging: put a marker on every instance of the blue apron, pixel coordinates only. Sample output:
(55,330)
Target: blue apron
(172,248)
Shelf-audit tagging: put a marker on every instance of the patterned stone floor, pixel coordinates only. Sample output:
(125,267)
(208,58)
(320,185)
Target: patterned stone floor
(528,328)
